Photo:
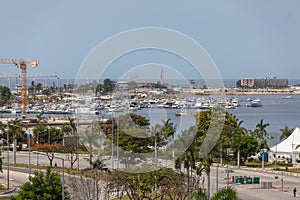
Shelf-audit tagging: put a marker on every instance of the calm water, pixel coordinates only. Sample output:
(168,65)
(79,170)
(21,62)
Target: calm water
(276,111)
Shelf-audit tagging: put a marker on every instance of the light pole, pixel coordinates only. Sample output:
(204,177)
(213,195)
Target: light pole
(276,155)
(112,141)
(49,141)
(118,142)
(29,164)
(263,160)
(217,181)
(63,174)
(7,135)
(38,137)
(8,145)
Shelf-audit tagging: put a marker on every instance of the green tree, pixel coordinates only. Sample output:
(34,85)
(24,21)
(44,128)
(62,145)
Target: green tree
(40,186)
(38,87)
(285,132)
(91,137)
(5,95)
(72,125)
(262,135)
(108,85)
(247,144)
(204,166)
(16,134)
(46,91)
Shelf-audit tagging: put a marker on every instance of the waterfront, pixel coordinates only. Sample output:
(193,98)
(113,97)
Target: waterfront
(276,111)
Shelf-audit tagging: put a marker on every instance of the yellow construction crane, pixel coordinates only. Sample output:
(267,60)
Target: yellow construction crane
(22,64)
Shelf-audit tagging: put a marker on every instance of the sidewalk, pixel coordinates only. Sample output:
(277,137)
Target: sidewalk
(267,170)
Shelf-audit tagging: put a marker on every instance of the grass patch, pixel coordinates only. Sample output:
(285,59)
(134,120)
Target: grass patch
(267,165)
(2,187)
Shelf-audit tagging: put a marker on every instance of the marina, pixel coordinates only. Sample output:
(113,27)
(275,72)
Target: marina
(273,109)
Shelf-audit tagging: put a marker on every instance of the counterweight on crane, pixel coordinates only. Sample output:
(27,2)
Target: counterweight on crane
(22,64)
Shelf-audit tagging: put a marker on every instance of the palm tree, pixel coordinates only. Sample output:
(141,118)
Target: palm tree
(239,131)
(262,135)
(72,125)
(15,130)
(168,128)
(41,119)
(91,137)
(204,166)
(285,132)
(261,130)
(188,158)
(2,130)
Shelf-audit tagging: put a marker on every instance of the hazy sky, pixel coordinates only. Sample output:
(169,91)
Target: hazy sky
(251,38)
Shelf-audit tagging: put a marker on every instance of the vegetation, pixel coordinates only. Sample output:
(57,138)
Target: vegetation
(5,95)
(42,186)
(285,132)
(226,193)
(135,136)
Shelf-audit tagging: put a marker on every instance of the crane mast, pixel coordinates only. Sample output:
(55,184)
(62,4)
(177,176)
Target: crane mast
(21,64)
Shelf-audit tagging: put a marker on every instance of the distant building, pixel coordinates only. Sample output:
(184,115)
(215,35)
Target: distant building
(265,83)
(248,82)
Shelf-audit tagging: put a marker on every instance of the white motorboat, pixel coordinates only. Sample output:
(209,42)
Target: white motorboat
(183,113)
(256,103)
(287,97)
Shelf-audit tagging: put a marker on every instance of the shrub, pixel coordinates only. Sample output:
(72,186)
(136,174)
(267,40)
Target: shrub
(200,195)
(227,193)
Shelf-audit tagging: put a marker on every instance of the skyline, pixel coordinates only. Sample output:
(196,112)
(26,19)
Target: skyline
(245,39)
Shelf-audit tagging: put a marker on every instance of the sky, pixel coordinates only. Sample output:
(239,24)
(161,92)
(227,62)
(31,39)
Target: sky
(245,39)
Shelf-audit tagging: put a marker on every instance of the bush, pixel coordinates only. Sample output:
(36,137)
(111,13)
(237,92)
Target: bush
(227,193)
(200,195)
(41,186)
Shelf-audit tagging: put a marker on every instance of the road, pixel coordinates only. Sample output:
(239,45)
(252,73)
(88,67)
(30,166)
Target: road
(254,191)
(245,191)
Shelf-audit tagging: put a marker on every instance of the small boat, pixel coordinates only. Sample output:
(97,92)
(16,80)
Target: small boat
(235,102)
(182,113)
(287,97)
(256,103)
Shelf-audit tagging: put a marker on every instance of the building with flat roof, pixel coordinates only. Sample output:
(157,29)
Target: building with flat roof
(265,83)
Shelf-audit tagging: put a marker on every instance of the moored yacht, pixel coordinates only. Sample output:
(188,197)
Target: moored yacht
(256,103)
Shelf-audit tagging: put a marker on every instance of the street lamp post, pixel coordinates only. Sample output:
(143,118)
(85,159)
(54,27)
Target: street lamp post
(49,141)
(29,164)
(7,135)
(37,140)
(276,156)
(8,145)
(263,160)
(63,173)
(112,141)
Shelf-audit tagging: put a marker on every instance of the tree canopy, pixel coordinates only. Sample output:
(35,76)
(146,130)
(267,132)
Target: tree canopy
(5,95)
(42,186)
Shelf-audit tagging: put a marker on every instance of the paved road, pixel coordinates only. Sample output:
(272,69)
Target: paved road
(245,191)
(253,191)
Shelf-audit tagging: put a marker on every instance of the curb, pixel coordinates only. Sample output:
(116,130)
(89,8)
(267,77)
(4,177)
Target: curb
(8,191)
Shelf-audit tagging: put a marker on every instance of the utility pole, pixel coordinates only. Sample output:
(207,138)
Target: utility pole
(238,158)
(281,181)
(112,141)
(263,160)
(217,181)
(227,177)
(7,135)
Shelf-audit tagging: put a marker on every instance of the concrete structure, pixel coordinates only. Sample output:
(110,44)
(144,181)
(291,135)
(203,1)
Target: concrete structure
(265,82)
(247,82)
